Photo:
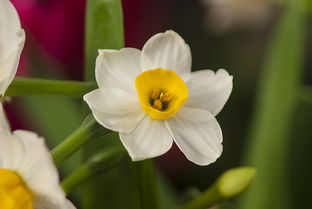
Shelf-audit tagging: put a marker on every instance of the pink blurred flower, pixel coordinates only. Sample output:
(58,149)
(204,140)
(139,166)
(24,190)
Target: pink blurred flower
(57,26)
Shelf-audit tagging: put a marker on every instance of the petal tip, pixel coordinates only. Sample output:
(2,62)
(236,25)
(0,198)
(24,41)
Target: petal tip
(175,35)
(172,32)
(222,71)
(136,158)
(85,97)
(207,161)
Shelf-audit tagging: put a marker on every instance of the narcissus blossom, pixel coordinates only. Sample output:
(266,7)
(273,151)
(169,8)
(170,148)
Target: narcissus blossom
(12,38)
(28,177)
(152,99)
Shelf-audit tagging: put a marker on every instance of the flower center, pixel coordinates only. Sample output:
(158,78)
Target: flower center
(160,100)
(14,193)
(161,92)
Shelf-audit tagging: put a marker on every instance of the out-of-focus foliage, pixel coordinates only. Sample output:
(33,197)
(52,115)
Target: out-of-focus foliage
(270,140)
(104,30)
(300,152)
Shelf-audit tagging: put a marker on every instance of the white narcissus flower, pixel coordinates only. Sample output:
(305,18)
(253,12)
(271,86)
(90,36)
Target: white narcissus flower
(12,38)
(152,99)
(28,177)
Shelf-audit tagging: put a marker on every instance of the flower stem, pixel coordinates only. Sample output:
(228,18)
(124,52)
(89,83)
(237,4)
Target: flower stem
(87,131)
(147,184)
(102,161)
(209,198)
(30,86)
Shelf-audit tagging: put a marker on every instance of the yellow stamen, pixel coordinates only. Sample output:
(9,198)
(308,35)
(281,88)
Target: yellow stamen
(166,97)
(155,93)
(14,193)
(158,104)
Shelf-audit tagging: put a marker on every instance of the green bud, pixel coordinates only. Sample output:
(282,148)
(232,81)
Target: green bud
(230,184)
(235,181)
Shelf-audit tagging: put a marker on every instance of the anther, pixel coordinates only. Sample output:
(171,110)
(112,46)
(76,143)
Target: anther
(155,93)
(166,97)
(159,100)
(158,104)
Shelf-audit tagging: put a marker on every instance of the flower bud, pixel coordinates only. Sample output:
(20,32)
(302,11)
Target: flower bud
(235,181)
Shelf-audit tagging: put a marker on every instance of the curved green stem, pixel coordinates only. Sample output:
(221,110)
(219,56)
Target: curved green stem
(30,86)
(102,161)
(89,130)
(209,198)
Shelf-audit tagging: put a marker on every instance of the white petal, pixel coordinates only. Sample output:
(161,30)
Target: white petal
(68,205)
(10,27)
(46,203)
(115,109)
(168,51)
(11,150)
(151,138)
(37,168)
(197,134)
(209,90)
(26,153)
(118,68)
(4,123)
(12,38)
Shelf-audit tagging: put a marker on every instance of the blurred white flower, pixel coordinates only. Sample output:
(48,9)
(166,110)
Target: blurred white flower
(12,38)
(152,99)
(225,15)
(28,177)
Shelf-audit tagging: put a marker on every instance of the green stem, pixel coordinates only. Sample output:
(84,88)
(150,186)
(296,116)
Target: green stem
(207,199)
(89,130)
(30,86)
(147,184)
(104,160)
